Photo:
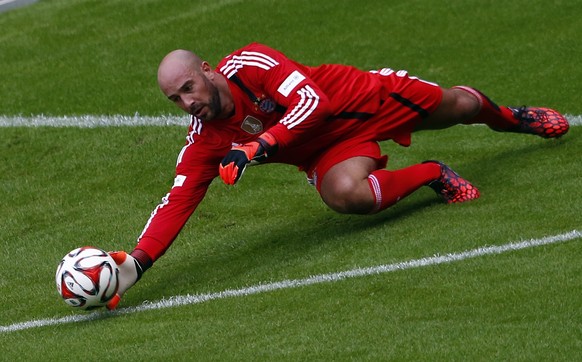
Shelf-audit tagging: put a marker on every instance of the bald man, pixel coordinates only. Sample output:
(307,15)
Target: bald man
(259,106)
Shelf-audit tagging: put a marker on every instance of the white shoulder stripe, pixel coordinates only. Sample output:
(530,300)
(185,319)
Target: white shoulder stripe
(234,66)
(267,58)
(306,106)
(252,59)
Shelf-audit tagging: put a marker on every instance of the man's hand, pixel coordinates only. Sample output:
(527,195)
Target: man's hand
(236,160)
(129,273)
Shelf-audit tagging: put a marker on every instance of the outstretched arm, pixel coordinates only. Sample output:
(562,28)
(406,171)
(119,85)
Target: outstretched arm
(195,171)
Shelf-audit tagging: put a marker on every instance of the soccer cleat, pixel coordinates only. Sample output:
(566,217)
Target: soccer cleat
(543,122)
(452,187)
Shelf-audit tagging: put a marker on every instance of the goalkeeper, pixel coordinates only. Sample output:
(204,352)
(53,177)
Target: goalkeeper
(259,106)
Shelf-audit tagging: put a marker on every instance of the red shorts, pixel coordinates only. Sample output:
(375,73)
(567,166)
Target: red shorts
(407,101)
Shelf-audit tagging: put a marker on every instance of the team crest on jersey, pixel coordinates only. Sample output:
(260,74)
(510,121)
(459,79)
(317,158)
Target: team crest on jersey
(267,105)
(252,125)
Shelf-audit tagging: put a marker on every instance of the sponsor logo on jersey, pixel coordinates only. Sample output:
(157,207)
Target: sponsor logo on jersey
(290,83)
(252,125)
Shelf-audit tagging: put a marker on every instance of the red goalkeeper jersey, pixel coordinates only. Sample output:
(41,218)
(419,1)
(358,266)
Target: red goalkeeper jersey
(307,109)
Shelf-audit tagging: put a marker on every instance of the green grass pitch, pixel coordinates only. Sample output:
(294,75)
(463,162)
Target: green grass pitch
(65,187)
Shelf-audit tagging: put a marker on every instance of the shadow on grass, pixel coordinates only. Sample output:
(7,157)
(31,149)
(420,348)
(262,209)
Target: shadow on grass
(274,251)
(491,165)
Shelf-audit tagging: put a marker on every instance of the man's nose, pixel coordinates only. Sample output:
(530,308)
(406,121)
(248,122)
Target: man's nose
(187,101)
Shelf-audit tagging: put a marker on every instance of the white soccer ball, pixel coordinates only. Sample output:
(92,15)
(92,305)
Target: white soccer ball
(87,278)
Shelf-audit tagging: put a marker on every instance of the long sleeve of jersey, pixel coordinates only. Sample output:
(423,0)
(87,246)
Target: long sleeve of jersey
(195,170)
(268,73)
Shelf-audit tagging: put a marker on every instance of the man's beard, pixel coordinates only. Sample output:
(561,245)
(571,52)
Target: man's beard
(214,103)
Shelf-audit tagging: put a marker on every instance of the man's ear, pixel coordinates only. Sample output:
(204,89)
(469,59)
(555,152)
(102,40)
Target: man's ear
(207,69)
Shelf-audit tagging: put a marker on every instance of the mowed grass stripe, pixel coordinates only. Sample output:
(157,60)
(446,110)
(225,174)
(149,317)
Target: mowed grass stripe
(295,283)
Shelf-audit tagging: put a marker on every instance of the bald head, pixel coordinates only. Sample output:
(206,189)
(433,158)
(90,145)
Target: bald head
(194,86)
(177,63)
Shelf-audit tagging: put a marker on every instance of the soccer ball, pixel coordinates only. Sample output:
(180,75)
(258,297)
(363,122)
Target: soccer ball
(87,278)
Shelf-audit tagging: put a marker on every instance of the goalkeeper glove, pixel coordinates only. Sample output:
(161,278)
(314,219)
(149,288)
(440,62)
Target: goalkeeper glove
(236,160)
(129,273)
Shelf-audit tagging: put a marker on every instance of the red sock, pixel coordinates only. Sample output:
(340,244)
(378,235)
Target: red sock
(389,187)
(494,116)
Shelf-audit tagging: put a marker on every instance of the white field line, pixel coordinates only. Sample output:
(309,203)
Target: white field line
(92,121)
(5,2)
(183,300)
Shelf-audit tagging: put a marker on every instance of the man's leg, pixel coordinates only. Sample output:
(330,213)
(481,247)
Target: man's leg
(344,187)
(465,105)
(357,186)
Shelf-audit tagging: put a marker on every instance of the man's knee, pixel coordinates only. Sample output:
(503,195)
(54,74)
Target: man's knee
(348,196)
(457,106)
(466,104)
(345,188)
